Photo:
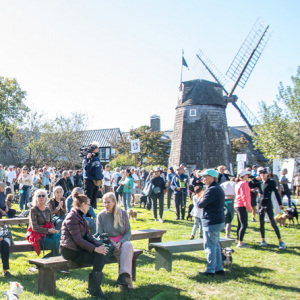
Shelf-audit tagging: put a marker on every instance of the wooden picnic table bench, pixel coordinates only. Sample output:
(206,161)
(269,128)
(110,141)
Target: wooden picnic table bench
(14,221)
(164,251)
(49,266)
(153,236)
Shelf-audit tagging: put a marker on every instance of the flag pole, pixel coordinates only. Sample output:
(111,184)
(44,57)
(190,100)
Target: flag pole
(181,70)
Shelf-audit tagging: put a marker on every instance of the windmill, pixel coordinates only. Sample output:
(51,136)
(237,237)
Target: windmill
(241,67)
(200,136)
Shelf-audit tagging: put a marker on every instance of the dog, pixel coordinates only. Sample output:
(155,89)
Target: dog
(16,289)
(189,216)
(227,257)
(292,213)
(280,219)
(143,200)
(132,214)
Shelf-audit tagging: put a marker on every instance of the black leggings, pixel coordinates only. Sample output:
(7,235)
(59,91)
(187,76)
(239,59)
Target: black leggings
(269,210)
(85,258)
(4,250)
(242,217)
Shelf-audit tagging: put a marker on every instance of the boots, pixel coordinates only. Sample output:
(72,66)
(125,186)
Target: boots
(94,287)
(121,280)
(90,283)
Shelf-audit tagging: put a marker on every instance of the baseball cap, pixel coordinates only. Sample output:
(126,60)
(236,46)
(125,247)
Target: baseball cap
(263,171)
(243,172)
(210,172)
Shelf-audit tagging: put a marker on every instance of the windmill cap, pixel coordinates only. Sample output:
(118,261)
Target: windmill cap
(210,172)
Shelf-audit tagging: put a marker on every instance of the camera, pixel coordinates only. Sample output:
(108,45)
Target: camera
(84,150)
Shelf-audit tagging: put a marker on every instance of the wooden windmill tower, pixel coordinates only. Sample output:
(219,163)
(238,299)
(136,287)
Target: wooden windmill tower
(200,137)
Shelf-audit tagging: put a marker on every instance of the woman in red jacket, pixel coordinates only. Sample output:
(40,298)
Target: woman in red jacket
(242,205)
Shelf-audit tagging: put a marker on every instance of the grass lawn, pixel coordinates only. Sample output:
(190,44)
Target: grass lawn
(257,273)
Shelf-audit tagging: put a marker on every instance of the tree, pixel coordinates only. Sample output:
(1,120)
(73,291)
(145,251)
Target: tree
(238,145)
(278,136)
(154,148)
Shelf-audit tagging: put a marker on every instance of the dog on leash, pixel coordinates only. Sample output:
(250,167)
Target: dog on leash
(131,214)
(16,289)
(291,214)
(227,258)
(280,219)
(189,216)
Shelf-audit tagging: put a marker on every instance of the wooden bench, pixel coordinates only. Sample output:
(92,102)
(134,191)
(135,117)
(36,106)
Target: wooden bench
(164,251)
(49,266)
(153,236)
(14,221)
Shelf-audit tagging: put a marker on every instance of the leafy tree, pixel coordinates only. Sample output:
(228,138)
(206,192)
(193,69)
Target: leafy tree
(238,145)
(279,134)
(154,149)
(122,160)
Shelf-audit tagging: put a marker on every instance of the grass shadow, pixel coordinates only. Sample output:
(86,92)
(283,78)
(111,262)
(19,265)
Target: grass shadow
(274,248)
(278,287)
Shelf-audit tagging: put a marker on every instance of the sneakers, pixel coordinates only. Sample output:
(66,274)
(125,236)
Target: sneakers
(282,245)
(242,246)
(161,220)
(192,237)
(155,220)
(206,274)
(263,244)
(7,274)
(253,220)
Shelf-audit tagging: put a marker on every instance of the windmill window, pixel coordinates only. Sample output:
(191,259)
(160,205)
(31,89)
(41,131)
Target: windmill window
(227,137)
(193,112)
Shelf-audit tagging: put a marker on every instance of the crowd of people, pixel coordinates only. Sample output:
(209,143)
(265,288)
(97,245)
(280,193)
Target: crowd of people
(65,224)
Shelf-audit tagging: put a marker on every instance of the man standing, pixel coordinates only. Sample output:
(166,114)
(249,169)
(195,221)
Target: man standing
(144,175)
(46,178)
(179,186)
(71,177)
(213,222)
(107,179)
(11,178)
(92,173)
(2,174)
(116,177)
(254,171)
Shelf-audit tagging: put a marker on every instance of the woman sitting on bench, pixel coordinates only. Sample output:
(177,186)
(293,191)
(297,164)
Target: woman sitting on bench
(41,233)
(114,221)
(78,245)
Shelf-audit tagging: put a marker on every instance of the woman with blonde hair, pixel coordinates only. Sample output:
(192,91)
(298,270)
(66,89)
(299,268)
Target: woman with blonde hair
(114,221)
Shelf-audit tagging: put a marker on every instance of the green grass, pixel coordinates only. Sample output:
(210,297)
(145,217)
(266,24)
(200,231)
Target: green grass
(257,273)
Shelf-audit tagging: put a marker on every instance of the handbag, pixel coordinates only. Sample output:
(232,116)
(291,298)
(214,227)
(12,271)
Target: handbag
(104,239)
(156,190)
(147,191)
(7,235)
(120,189)
(97,182)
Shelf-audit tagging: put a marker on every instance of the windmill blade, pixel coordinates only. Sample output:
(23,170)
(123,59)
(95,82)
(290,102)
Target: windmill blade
(211,68)
(246,114)
(248,55)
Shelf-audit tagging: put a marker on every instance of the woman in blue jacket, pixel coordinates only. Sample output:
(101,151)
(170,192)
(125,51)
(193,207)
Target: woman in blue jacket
(127,182)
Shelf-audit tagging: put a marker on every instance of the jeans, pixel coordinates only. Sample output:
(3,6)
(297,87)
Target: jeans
(197,223)
(24,198)
(126,200)
(170,193)
(212,247)
(180,203)
(51,242)
(160,198)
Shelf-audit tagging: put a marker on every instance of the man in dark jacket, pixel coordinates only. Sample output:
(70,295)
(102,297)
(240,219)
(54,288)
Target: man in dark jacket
(92,172)
(213,221)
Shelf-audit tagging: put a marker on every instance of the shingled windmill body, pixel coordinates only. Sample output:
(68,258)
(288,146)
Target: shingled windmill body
(200,136)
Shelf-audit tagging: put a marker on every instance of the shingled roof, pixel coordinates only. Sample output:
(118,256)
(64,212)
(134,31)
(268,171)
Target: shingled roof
(102,136)
(202,92)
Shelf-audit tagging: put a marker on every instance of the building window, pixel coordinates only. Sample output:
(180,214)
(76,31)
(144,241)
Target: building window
(103,154)
(227,137)
(193,112)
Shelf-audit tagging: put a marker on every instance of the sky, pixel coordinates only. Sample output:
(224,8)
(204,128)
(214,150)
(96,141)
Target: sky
(119,61)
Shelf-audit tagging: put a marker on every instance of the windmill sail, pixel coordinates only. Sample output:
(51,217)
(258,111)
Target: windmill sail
(248,55)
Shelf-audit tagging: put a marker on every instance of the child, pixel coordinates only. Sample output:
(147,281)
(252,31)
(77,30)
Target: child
(197,212)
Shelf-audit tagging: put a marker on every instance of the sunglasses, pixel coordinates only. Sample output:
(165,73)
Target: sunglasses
(25,169)
(41,196)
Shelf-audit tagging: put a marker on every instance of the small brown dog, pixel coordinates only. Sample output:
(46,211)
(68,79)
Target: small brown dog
(131,214)
(281,219)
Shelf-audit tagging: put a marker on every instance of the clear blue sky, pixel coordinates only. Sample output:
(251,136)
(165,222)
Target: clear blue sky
(120,61)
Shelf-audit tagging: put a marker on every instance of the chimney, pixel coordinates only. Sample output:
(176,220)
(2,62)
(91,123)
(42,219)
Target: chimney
(155,122)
